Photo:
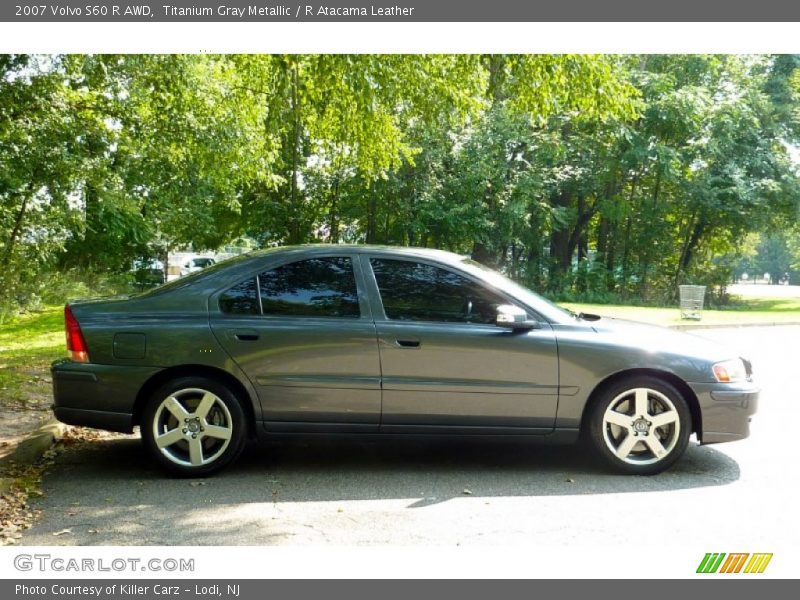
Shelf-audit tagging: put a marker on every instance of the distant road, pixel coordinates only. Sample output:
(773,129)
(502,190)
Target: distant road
(763,290)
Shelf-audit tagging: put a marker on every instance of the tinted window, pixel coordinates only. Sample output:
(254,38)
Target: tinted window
(418,292)
(318,287)
(241,299)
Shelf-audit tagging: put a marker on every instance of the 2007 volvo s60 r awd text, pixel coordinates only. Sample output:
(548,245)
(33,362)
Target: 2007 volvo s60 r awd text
(377,340)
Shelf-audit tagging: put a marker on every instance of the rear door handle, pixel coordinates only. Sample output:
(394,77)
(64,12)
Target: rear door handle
(243,335)
(407,343)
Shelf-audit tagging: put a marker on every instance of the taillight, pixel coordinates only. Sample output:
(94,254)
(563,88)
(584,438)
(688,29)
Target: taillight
(76,345)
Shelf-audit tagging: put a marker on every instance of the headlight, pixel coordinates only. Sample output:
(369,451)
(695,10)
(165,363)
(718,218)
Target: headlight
(730,371)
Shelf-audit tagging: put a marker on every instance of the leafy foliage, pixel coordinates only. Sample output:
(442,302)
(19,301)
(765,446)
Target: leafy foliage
(587,176)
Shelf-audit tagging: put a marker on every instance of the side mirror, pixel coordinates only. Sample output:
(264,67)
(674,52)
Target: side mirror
(513,317)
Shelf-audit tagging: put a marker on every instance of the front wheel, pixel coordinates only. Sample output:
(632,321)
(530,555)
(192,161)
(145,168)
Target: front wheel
(193,426)
(640,426)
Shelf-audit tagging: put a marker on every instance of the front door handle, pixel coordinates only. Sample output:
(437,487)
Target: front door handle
(407,343)
(247,337)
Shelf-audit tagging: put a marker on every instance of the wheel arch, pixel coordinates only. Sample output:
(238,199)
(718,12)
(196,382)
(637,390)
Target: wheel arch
(679,384)
(223,377)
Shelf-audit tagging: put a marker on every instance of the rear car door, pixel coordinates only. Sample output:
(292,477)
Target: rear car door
(303,334)
(446,364)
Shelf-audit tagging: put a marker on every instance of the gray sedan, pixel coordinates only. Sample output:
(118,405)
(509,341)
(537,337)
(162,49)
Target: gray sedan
(378,340)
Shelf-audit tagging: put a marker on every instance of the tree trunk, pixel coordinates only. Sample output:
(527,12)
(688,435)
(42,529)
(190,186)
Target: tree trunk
(294,221)
(579,231)
(333,213)
(690,245)
(534,268)
(559,257)
(371,218)
(17,231)
(495,64)
(628,228)
(648,247)
(559,245)
(602,239)
(697,234)
(482,254)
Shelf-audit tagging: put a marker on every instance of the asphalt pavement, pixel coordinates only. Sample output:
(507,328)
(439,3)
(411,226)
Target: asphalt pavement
(345,491)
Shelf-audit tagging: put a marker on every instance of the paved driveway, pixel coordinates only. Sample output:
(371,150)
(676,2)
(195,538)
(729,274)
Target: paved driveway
(447,493)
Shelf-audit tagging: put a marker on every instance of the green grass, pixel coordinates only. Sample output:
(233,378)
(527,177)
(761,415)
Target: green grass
(771,305)
(28,344)
(755,311)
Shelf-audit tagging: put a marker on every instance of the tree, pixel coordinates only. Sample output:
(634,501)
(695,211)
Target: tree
(774,257)
(596,176)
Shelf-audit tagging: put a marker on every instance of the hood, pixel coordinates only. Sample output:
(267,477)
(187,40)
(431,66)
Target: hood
(653,338)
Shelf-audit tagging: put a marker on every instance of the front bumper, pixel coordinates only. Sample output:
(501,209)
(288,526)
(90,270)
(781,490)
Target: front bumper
(725,410)
(98,396)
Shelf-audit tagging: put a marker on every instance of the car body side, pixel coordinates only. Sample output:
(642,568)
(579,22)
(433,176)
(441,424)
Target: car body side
(137,344)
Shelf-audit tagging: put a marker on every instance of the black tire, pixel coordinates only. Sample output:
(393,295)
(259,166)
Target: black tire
(633,443)
(185,423)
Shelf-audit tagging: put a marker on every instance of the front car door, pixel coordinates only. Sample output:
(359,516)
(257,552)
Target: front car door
(445,364)
(303,334)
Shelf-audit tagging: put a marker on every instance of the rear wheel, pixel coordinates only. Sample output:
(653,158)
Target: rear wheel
(193,426)
(640,425)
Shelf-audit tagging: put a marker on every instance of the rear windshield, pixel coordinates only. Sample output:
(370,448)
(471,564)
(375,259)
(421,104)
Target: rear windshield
(176,284)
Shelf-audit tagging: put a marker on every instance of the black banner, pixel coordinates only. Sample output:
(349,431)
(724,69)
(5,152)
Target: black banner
(250,589)
(400,10)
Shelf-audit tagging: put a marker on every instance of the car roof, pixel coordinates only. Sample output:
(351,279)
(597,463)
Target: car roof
(313,249)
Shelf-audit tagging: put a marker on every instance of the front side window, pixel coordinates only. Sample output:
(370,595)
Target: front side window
(317,287)
(413,291)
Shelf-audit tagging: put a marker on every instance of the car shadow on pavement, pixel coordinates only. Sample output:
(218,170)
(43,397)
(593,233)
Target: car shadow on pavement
(354,469)
(384,469)
(107,491)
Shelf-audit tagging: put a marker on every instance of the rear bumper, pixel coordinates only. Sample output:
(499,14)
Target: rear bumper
(97,419)
(725,410)
(98,396)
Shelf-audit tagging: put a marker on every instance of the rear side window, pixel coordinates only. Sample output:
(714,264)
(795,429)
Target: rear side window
(241,299)
(317,287)
(413,291)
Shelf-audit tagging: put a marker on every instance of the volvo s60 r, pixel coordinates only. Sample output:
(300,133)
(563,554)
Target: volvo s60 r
(380,340)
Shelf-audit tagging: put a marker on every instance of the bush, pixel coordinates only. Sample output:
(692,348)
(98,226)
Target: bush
(27,293)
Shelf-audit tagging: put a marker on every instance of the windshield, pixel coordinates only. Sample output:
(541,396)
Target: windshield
(543,306)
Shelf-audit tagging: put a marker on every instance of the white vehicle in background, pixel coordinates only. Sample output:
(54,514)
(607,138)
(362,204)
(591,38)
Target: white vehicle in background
(183,262)
(198,263)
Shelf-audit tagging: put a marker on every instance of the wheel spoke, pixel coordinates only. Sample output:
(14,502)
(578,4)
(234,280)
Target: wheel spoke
(205,405)
(169,438)
(665,418)
(641,402)
(655,445)
(618,418)
(642,405)
(624,449)
(176,408)
(215,431)
(196,452)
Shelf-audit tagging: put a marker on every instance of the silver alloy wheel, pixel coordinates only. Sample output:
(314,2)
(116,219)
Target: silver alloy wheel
(192,427)
(641,426)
